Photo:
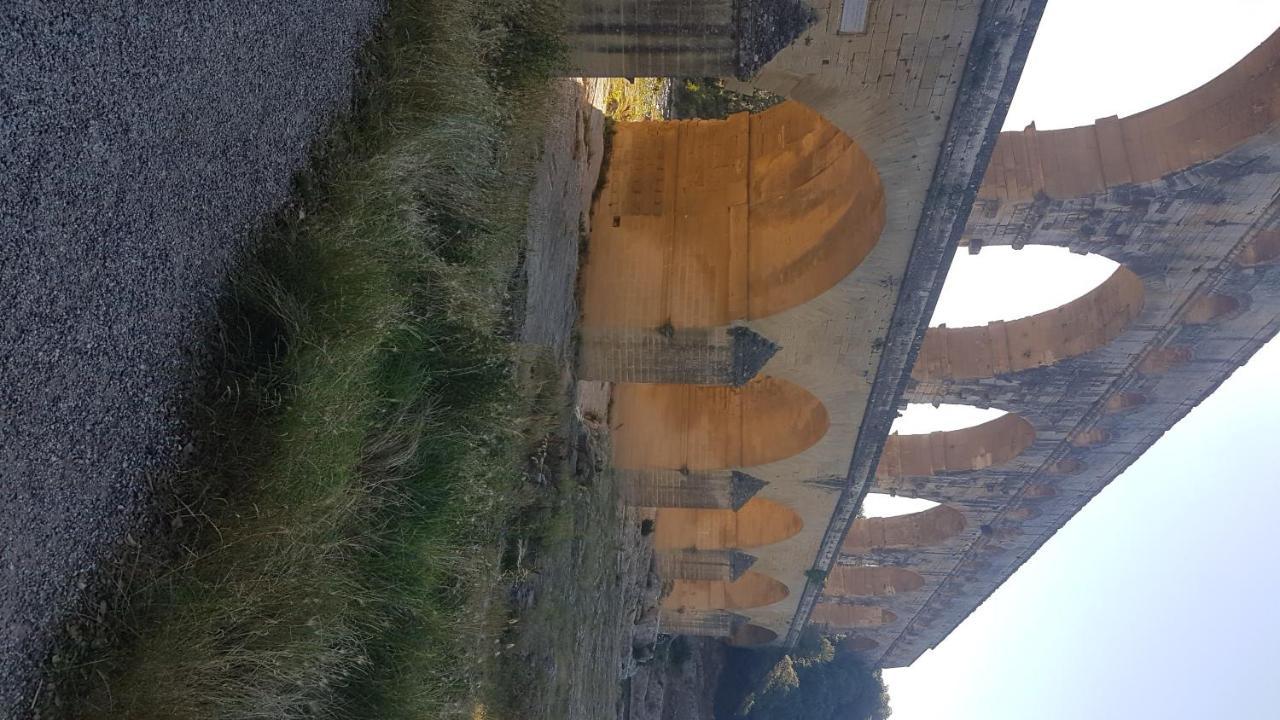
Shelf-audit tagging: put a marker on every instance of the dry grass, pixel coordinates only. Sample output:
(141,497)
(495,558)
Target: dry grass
(367,430)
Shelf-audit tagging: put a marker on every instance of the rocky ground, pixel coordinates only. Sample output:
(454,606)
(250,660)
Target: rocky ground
(585,592)
(139,148)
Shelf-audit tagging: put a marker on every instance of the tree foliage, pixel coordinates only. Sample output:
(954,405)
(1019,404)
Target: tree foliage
(709,99)
(819,680)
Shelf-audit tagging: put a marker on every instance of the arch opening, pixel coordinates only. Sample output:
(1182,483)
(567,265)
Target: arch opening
(759,522)
(1004,284)
(704,223)
(851,616)
(883,505)
(750,636)
(707,427)
(862,644)
(904,532)
(919,418)
(850,581)
(751,590)
(1080,326)
(988,444)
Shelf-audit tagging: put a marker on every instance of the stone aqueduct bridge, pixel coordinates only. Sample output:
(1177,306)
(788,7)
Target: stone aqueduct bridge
(757,290)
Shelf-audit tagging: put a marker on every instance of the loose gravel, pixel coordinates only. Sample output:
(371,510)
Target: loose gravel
(140,145)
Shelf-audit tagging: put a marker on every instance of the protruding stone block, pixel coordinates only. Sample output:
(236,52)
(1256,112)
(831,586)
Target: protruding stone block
(688,356)
(727,565)
(686,489)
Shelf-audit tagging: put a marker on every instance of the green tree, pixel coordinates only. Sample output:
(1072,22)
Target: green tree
(709,99)
(819,680)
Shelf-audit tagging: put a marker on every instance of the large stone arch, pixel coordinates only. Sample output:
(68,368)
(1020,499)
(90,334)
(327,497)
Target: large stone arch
(847,617)
(851,581)
(920,529)
(991,443)
(702,223)
(1241,103)
(706,427)
(760,522)
(751,590)
(1087,323)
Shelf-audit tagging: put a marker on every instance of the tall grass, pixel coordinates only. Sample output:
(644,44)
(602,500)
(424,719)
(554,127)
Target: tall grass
(364,439)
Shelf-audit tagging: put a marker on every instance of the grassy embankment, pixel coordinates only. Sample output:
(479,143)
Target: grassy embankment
(362,448)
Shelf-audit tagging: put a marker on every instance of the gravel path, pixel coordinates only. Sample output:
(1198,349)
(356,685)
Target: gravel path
(139,144)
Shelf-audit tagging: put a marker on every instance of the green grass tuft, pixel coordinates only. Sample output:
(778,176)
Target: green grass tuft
(364,438)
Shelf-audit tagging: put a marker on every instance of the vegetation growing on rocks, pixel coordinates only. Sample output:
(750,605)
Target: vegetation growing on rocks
(819,680)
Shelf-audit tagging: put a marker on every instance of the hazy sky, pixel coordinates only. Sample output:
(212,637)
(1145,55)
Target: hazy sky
(1161,599)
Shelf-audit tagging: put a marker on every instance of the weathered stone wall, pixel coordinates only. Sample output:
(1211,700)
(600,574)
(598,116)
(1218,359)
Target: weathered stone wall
(680,38)
(1201,241)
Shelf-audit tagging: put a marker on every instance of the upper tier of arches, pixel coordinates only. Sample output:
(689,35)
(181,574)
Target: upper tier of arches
(703,223)
(1242,102)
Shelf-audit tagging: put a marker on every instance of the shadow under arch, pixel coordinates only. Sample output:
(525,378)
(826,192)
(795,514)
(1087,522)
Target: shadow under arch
(751,590)
(1087,323)
(1201,125)
(850,581)
(852,616)
(750,636)
(921,529)
(712,427)
(702,223)
(991,443)
(759,522)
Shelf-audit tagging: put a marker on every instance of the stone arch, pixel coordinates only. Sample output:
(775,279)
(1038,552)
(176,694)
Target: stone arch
(760,522)
(1036,491)
(1066,466)
(871,581)
(1023,513)
(1087,323)
(994,442)
(1210,308)
(1263,249)
(1242,102)
(1124,401)
(707,427)
(862,644)
(1162,360)
(750,636)
(702,223)
(1091,437)
(851,616)
(751,590)
(928,527)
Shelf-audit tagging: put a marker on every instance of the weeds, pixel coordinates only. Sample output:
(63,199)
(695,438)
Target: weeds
(364,437)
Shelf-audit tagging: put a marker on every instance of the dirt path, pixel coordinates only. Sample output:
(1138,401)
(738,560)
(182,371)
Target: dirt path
(138,150)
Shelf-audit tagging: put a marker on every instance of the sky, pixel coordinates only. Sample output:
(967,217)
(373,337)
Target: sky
(1161,598)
